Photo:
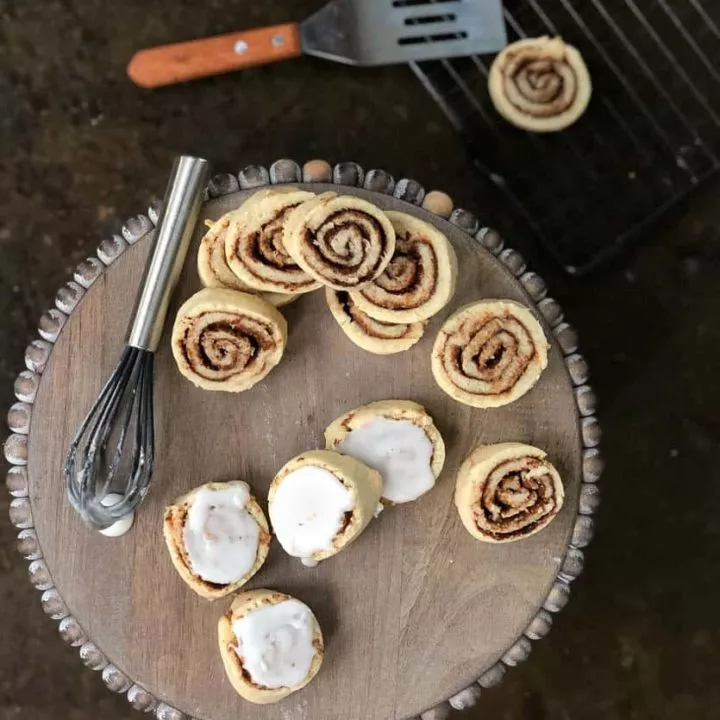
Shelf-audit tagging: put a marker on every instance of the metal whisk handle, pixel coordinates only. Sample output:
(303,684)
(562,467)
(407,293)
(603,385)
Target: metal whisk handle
(180,210)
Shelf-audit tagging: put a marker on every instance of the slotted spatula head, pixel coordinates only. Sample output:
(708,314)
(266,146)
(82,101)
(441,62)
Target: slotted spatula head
(384,32)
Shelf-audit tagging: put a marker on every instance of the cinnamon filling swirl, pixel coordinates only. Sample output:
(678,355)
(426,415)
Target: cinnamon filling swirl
(227,340)
(346,246)
(219,349)
(372,335)
(540,84)
(267,245)
(343,242)
(370,326)
(517,497)
(507,491)
(490,356)
(420,278)
(254,246)
(410,278)
(489,353)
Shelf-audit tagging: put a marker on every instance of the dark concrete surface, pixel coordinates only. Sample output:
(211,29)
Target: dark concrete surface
(81,148)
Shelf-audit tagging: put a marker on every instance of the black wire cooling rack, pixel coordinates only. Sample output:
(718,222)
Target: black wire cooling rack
(650,136)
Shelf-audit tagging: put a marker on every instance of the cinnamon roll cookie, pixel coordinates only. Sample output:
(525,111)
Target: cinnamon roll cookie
(396,437)
(212,267)
(320,502)
(420,278)
(507,492)
(254,246)
(214,271)
(271,645)
(489,353)
(375,336)
(227,340)
(540,84)
(343,242)
(217,537)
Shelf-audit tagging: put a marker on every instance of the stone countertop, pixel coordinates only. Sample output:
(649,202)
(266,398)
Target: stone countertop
(81,148)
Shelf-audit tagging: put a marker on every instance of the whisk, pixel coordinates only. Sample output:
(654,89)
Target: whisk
(109,466)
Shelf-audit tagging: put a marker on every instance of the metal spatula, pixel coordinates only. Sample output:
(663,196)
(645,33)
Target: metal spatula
(355,32)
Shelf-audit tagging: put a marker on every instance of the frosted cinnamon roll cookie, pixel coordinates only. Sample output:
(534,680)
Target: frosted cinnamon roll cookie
(320,502)
(507,492)
(342,241)
(420,278)
(227,340)
(217,537)
(254,246)
(489,353)
(396,437)
(375,336)
(271,645)
(213,269)
(540,84)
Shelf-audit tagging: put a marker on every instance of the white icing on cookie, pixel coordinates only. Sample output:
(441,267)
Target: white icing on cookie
(274,643)
(399,450)
(308,510)
(221,537)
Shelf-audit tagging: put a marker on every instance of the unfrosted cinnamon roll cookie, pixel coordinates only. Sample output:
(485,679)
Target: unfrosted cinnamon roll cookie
(489,353)
(227,340)
(254,246)
(507,491)
(396,437)
(214,271)
(375,336)
(342,241)
(420,278)
(271,645)
(540,84)
(212,267)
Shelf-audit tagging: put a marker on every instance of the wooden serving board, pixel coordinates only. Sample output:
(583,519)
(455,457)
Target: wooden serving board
(413,612)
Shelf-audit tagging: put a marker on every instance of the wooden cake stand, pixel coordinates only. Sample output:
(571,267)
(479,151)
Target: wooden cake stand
(418,616)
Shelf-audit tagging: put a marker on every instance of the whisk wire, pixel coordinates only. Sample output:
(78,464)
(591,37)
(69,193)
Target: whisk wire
(107,405)
(144,435)
(76,483)
(132,389)
(123,413)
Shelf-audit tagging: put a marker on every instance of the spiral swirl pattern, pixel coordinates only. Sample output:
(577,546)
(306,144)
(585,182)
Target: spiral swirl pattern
(254,246)
(507,491)
(540,84)
(343,242)
(375,336)
(227,340)
(420,278)
(489,353)
(214,271)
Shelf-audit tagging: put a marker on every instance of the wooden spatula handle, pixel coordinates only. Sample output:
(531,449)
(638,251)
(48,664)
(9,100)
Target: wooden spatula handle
(170,64)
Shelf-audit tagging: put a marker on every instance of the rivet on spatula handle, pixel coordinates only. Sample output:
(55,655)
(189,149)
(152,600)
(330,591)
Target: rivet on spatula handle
(170,64)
